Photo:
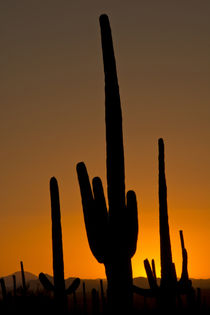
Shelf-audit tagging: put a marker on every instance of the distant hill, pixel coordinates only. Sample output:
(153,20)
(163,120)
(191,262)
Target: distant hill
(28,275)
(34,283)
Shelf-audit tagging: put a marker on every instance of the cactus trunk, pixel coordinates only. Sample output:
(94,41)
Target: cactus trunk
(58,265)
(57,248)
(3,289)
(113,118)
(118,267)
(103,299)
(119,286)
(14,285)
(84,299)
(167,268)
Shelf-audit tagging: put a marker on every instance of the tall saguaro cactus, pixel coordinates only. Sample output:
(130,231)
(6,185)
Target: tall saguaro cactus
(112,233)
(168,278)
(58,287)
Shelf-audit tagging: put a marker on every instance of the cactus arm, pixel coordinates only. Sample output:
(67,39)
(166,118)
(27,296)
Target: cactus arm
(73,286)
(174,273)
(184,258)
(181,239)
(131,222)
(100,202)
(58,265)
(23,277)
(184,265)
(184,283)
(95,218)
(150,275)
(88,205)
(46,282)
(154,270)
(144,292)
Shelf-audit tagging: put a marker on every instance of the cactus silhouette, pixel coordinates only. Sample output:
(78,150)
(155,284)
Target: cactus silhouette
(169,288)
(103,299)
(58,287)
(184,281)
(75,302)
(168,272)
(112,233)
(168,278)
(84,299)
(14,285)
(95,302)
(3,289)
(24,287)
(151,276)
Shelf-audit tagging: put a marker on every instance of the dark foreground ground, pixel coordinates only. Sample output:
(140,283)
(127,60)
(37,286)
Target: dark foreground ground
(43,303)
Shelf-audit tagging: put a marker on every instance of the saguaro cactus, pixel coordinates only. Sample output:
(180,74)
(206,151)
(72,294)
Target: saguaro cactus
(112,233)
(169,288)
(168,279)
(24,287)
(57,248)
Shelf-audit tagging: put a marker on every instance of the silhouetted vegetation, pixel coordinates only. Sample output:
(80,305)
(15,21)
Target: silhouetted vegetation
(112,235)
(168,294)
(60,292)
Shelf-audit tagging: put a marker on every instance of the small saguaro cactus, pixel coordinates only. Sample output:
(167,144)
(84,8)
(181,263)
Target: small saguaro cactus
(112,233)
(24,287)
(58,287)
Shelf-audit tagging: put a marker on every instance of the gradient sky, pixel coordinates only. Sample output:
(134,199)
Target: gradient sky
(52,117)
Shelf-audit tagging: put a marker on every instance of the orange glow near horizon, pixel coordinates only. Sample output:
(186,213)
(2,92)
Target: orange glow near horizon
(33,243)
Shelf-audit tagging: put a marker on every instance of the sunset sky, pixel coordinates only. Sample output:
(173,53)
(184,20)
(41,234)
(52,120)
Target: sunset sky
(52,117)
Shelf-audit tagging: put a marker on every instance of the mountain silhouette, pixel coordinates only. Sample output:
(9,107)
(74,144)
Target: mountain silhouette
(34,284)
